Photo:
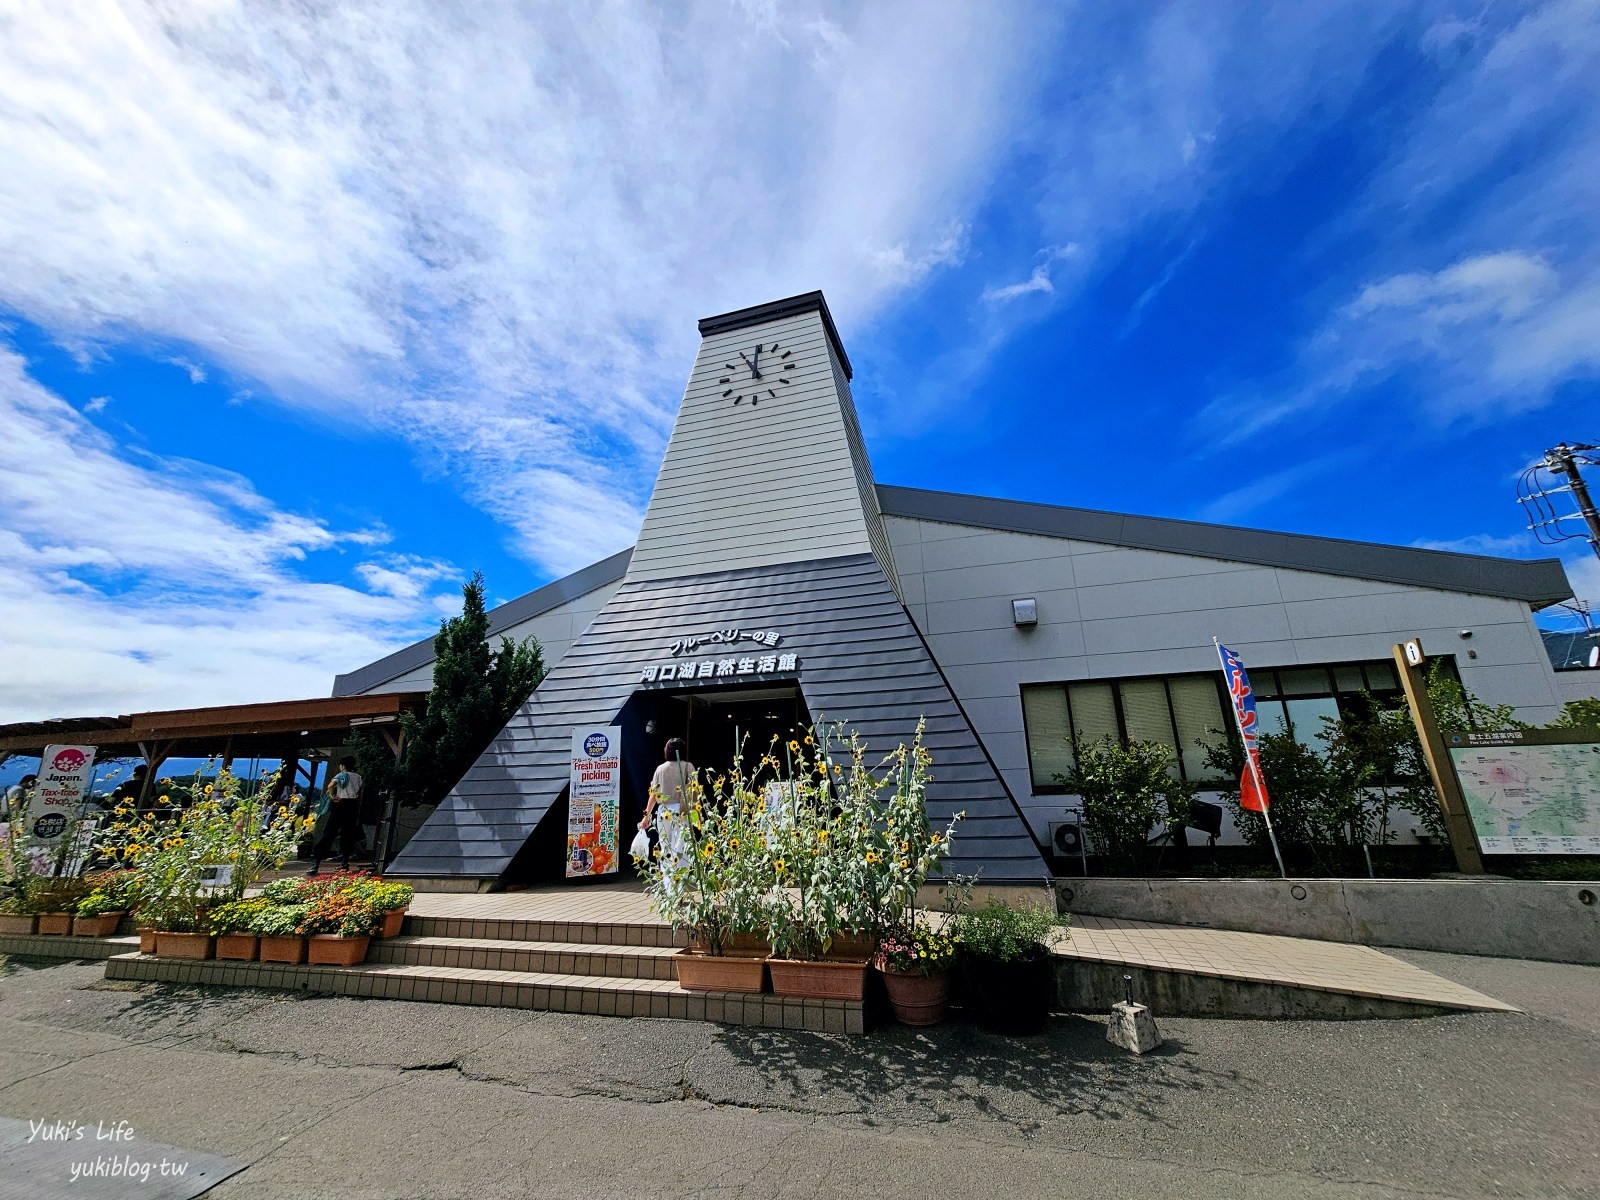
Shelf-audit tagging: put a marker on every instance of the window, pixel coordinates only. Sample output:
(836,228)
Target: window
(1187,712)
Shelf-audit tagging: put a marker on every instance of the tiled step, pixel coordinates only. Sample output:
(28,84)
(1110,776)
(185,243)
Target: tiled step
(604,933)
(602,995)
(509,954)
(49,945)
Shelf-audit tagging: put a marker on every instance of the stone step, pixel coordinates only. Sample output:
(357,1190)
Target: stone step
(64,946)
(596,994)
(598,933)
(509,954)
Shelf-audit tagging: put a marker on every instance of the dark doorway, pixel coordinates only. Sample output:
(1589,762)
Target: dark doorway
(729,726)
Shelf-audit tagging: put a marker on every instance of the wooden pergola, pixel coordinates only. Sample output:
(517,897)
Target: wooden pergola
(305,733)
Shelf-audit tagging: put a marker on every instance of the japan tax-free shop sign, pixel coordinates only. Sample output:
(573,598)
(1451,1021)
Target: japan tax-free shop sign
(58,794)
(594,800)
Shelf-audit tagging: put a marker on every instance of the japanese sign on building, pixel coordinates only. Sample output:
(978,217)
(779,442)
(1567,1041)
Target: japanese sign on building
(58,795)
(729,666)
(594,801)
(724,637)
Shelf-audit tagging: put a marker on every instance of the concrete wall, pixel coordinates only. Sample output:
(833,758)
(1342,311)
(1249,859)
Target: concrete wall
(1109,612)
(1503,917)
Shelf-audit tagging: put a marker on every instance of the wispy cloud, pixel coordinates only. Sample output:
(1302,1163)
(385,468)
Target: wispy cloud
(487,229)
(1040,280)
(130,582)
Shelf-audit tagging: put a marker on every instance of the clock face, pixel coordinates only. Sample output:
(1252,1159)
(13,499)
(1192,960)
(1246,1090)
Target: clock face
(760,373)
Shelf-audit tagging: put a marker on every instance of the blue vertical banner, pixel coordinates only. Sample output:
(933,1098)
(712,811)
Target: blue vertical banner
(1252,788)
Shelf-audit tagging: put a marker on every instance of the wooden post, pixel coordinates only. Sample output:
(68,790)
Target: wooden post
(1409,660)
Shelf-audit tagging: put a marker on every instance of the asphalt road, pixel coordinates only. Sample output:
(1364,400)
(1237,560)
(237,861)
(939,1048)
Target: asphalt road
(327,1096)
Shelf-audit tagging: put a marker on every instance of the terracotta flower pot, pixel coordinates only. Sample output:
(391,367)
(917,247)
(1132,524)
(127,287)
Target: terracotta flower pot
(736,945)
(147,940)
(240,947)
(393,922)
(336,950)
(918,999)
(282,949)
(852,947)
(101,926)
(55,922)
(17,922)
(699,972)
(182,945)
(829,979)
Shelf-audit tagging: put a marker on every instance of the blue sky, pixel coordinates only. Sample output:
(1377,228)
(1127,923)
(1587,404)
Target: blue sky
(304,317)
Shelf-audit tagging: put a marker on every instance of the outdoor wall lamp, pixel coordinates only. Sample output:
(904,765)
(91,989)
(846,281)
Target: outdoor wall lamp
(1025,612)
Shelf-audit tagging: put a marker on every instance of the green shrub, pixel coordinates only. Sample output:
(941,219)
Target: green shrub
(236,916)
(1127,787)
(1005,933)
(279,920)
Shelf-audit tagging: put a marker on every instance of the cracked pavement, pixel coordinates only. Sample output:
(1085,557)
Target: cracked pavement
(396,1099)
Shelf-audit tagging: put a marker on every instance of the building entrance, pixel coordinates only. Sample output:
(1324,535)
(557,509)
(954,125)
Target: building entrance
(724,727)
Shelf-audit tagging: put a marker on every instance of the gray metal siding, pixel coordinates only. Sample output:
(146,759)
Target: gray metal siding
(862,662)
(1110,612)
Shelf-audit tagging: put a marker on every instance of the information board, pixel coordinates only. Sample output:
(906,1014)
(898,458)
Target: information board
(593,801)
(1534,791)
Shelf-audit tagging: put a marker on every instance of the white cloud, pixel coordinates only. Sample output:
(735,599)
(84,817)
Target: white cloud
(96,404)
(1040,280)
(129,582)
(485,228)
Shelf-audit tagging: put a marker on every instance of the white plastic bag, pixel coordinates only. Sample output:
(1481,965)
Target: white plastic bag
(640,849)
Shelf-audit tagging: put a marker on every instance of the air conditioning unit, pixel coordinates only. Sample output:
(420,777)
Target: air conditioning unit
(1066,839)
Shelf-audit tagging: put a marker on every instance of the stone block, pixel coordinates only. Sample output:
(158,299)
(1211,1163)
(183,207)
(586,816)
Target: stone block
(1132,1027)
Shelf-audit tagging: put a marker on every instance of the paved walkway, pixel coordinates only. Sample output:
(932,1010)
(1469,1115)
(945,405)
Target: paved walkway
(1337,967)
(1266,958)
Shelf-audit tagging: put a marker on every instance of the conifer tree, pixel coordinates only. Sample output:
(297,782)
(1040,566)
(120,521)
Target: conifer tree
(476,690)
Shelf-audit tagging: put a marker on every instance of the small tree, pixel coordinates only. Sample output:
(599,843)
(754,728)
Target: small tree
(1582,715)
(476,690)
(1127,787)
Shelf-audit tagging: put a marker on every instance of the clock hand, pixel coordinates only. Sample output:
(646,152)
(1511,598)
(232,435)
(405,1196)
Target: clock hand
(750,364)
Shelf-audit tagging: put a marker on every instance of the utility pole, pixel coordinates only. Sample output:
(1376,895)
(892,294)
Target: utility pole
(1545,522)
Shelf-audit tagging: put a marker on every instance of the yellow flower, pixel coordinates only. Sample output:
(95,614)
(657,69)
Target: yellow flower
(208,789)
(822,835)
(871,857)
(163,797)
(794,746)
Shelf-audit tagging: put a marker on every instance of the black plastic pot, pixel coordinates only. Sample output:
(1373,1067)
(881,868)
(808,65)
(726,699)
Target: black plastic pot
(1010,997)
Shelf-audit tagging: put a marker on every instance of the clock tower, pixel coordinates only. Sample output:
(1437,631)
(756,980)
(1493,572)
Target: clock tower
(766,463)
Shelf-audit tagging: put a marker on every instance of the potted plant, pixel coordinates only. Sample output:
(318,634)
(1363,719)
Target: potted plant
(340,923)
(854,846)
(98,914)
(390,901)
(277,929)
(54,900)
(112,893)
(14,915)
(915,963)
(1007,966)
(231,923)
(704,880)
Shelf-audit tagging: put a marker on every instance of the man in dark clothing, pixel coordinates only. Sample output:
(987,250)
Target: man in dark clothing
(344,816)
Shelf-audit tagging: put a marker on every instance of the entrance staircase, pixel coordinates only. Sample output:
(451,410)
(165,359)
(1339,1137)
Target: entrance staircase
(588,950)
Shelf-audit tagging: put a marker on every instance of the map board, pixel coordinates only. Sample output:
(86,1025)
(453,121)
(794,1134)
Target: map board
(1534,791)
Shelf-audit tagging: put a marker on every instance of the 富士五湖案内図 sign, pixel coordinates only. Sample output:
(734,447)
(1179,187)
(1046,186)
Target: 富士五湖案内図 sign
(594,799)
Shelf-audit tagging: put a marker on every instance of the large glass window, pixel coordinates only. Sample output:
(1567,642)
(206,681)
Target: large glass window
(1188,712)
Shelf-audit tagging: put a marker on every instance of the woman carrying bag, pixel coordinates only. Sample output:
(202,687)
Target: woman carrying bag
(669,791)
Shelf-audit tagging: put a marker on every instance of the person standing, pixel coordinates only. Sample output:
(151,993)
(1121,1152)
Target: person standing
(669,796)
(344,816)
(17,794)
